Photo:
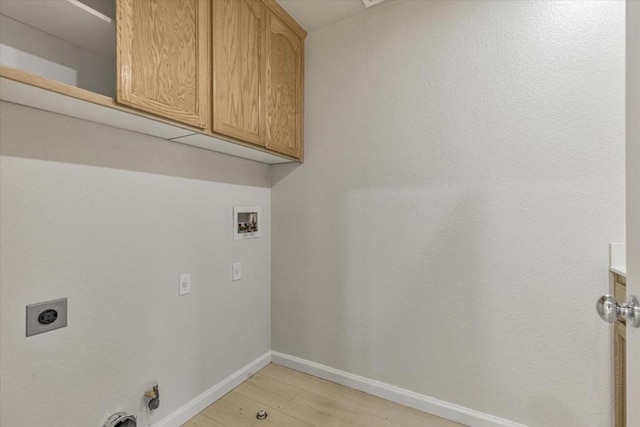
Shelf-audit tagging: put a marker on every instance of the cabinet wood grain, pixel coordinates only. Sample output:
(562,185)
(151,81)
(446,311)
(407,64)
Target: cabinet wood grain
(619,358)
(284,86)
(163,58)
(238,54)
(286,18)
(620,349)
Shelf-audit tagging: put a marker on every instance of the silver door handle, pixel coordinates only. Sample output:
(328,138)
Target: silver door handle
(610,311)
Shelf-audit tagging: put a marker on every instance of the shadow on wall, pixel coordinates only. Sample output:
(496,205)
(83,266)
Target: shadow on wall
(281,171)
(396,299)
(41,135)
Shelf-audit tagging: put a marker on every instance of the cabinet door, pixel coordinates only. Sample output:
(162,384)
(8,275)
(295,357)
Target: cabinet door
(239,33)
(620,350)
(285,53)
(163,59)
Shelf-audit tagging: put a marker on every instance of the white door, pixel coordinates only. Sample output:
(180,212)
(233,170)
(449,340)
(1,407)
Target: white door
(633,204)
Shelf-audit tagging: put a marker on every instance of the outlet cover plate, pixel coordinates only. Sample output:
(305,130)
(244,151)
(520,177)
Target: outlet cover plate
(185,284)
(237,271)
(34,327)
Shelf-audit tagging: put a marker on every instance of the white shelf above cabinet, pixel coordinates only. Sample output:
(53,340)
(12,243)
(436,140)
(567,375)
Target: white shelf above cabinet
(32,91)
(91,29)
(221,146)
(48,100)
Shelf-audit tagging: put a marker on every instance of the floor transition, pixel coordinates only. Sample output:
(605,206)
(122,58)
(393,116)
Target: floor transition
(294,399)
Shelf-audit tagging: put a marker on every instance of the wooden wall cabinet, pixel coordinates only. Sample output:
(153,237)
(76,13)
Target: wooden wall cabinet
(238,79)
(619,357)
(284,81)
(258,54)
(225,75)
(163,58)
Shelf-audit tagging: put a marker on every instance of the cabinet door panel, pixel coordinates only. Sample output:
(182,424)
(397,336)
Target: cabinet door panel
(285,52)
(620,350)
(239,33)
(163,58)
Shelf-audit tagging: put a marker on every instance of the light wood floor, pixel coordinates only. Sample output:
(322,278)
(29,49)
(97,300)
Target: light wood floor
(294,399)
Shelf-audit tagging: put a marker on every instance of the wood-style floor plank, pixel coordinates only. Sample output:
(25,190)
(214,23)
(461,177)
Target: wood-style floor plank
(268,390)
(234,409)
(295,399)
(396,413)
(322,411)
(202,421)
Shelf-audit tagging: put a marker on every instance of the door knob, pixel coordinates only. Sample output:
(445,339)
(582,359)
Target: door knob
(610,311)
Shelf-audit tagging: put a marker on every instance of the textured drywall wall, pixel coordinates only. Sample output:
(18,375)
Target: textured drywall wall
(78,220)
(448,230)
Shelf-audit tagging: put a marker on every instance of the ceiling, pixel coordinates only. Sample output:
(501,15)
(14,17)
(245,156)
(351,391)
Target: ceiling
(315,14)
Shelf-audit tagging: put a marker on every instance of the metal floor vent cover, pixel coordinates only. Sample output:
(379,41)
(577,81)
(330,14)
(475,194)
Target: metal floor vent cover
(121,419)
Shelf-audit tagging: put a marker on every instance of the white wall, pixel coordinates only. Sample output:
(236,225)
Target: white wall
(109,219)
(448,231)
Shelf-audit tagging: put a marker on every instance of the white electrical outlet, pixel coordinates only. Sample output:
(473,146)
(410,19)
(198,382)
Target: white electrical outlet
(185,284)
(237,271)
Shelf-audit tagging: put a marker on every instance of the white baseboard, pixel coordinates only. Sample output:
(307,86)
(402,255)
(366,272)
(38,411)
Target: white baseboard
(195,406)
(428,404)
